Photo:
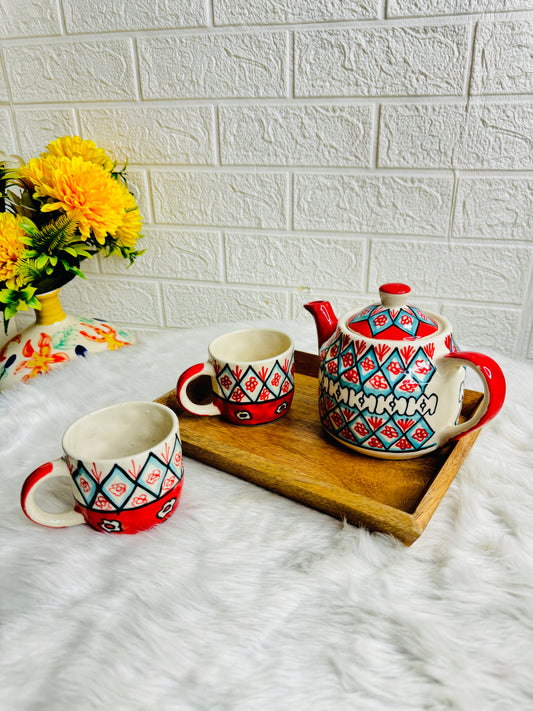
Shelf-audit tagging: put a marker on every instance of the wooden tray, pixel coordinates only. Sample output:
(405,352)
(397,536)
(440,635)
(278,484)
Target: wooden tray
(294,457)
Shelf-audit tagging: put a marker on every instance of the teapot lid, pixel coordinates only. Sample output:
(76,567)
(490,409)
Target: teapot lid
(393,319)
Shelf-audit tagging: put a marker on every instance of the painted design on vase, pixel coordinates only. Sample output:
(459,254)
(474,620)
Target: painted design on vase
(105,333)
(375,397)
(43,346)
(40,359)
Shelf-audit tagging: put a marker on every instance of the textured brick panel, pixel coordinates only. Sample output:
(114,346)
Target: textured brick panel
(71,71)
(244,12)
(399,8)
(92,266)
(37,128)
(120,300)
(283,260)
(218,199)
(154,135)
(192,306)
(387,205)
(483,327)
(138,185)
(3,86)
(133,15)
(381,61)
(494,208)
(491,136)
(7,140)
(478,272)
(296,135)
(21,18)
(213,65)
(420,135)
(503,58)
(498,137)
(174,254)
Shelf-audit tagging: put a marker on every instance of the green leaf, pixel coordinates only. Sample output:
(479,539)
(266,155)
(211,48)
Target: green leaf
(65,338)
(29,226)
(10,311)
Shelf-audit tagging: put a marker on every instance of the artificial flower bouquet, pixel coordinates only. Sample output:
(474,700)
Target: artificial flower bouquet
(56,210)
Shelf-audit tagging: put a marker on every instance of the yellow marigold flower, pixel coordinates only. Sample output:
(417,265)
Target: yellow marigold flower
(35,171)
(84,191)
(128,232)
(11,247)
(70,146)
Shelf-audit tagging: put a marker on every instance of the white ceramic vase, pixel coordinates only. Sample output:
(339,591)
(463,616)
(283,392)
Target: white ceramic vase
(54,339)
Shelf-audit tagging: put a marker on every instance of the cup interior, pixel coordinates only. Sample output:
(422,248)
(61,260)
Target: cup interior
(119,431)
(250,345)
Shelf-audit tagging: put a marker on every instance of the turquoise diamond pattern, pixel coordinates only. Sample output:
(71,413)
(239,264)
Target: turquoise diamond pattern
(152,474)
(86,484)
(399,373)
(127,488)
(226,381)
(256,385)
(175,463)
(117,486)
(380,318)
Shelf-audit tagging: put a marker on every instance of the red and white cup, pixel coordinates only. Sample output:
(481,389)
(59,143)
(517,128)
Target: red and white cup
(252,377)
(126,469)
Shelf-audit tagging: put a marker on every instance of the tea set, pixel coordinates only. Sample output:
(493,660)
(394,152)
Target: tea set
(390,385)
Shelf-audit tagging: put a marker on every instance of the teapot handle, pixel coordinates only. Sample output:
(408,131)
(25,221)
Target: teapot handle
(494,390)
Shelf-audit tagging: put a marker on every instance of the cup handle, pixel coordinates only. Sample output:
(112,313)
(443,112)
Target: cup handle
(494,390)
(33,511)
(185,379)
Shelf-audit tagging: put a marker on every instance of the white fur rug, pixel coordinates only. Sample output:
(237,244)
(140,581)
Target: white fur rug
(246,601)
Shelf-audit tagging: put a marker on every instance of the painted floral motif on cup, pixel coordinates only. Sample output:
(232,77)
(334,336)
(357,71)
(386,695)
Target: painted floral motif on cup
(128,487)
(251,386)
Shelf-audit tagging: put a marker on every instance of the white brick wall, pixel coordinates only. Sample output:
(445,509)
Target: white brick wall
(288,150)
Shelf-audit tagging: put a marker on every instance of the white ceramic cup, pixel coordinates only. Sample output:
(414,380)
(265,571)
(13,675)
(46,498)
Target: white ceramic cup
(252,377)
(126,468)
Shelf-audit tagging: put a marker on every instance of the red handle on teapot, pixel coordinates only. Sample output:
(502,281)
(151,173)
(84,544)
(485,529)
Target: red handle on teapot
(494,385)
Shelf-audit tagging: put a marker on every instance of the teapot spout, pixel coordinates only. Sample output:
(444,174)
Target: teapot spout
(325,319)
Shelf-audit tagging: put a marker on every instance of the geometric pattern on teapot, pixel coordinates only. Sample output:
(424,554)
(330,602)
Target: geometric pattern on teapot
(132,487)
(251,385)
(372,396)
(404,323)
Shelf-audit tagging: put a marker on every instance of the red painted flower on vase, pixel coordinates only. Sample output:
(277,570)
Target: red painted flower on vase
(40,360)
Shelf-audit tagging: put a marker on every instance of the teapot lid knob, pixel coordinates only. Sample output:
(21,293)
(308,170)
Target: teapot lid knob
(394,295)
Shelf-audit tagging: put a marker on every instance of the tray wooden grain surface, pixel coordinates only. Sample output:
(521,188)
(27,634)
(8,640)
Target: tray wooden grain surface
(295,458)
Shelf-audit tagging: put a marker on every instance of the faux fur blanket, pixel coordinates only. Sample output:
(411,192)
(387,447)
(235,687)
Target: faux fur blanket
(246,601)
